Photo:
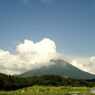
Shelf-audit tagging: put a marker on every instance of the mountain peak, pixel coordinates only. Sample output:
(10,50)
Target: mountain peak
(59,67)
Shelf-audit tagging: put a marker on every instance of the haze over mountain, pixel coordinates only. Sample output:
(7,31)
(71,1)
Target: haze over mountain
(59,67)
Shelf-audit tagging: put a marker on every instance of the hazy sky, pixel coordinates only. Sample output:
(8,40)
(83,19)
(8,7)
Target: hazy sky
(69,23)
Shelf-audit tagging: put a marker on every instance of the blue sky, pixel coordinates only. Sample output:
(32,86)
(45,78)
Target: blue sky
(70,23)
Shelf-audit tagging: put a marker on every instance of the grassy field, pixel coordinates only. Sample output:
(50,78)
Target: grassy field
(50,90)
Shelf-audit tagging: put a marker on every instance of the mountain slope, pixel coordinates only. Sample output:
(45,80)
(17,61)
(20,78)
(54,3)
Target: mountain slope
(59,67)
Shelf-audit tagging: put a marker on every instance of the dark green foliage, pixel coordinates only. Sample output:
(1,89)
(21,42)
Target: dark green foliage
(8,82)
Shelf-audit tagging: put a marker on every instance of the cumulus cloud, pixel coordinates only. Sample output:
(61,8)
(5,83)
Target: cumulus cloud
(84,63)
(29,55)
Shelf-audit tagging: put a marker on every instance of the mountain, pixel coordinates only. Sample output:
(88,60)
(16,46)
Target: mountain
(59,67)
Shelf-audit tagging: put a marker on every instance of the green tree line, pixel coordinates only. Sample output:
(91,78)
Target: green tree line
(8,82)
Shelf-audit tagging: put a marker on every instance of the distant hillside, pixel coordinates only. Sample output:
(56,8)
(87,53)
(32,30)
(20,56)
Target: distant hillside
(59,67)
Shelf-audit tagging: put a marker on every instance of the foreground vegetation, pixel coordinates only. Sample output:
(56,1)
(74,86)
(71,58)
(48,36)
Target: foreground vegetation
(45,85)
(49,90)
(8,82)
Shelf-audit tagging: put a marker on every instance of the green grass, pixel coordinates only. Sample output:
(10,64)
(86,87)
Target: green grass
(48,90)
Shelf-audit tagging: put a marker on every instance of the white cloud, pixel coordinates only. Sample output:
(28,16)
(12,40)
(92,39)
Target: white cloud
(29,55)
(84,63)
(92,59)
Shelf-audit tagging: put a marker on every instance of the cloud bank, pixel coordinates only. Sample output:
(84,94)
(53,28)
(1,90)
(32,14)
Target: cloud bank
(30,55)
(84,63)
